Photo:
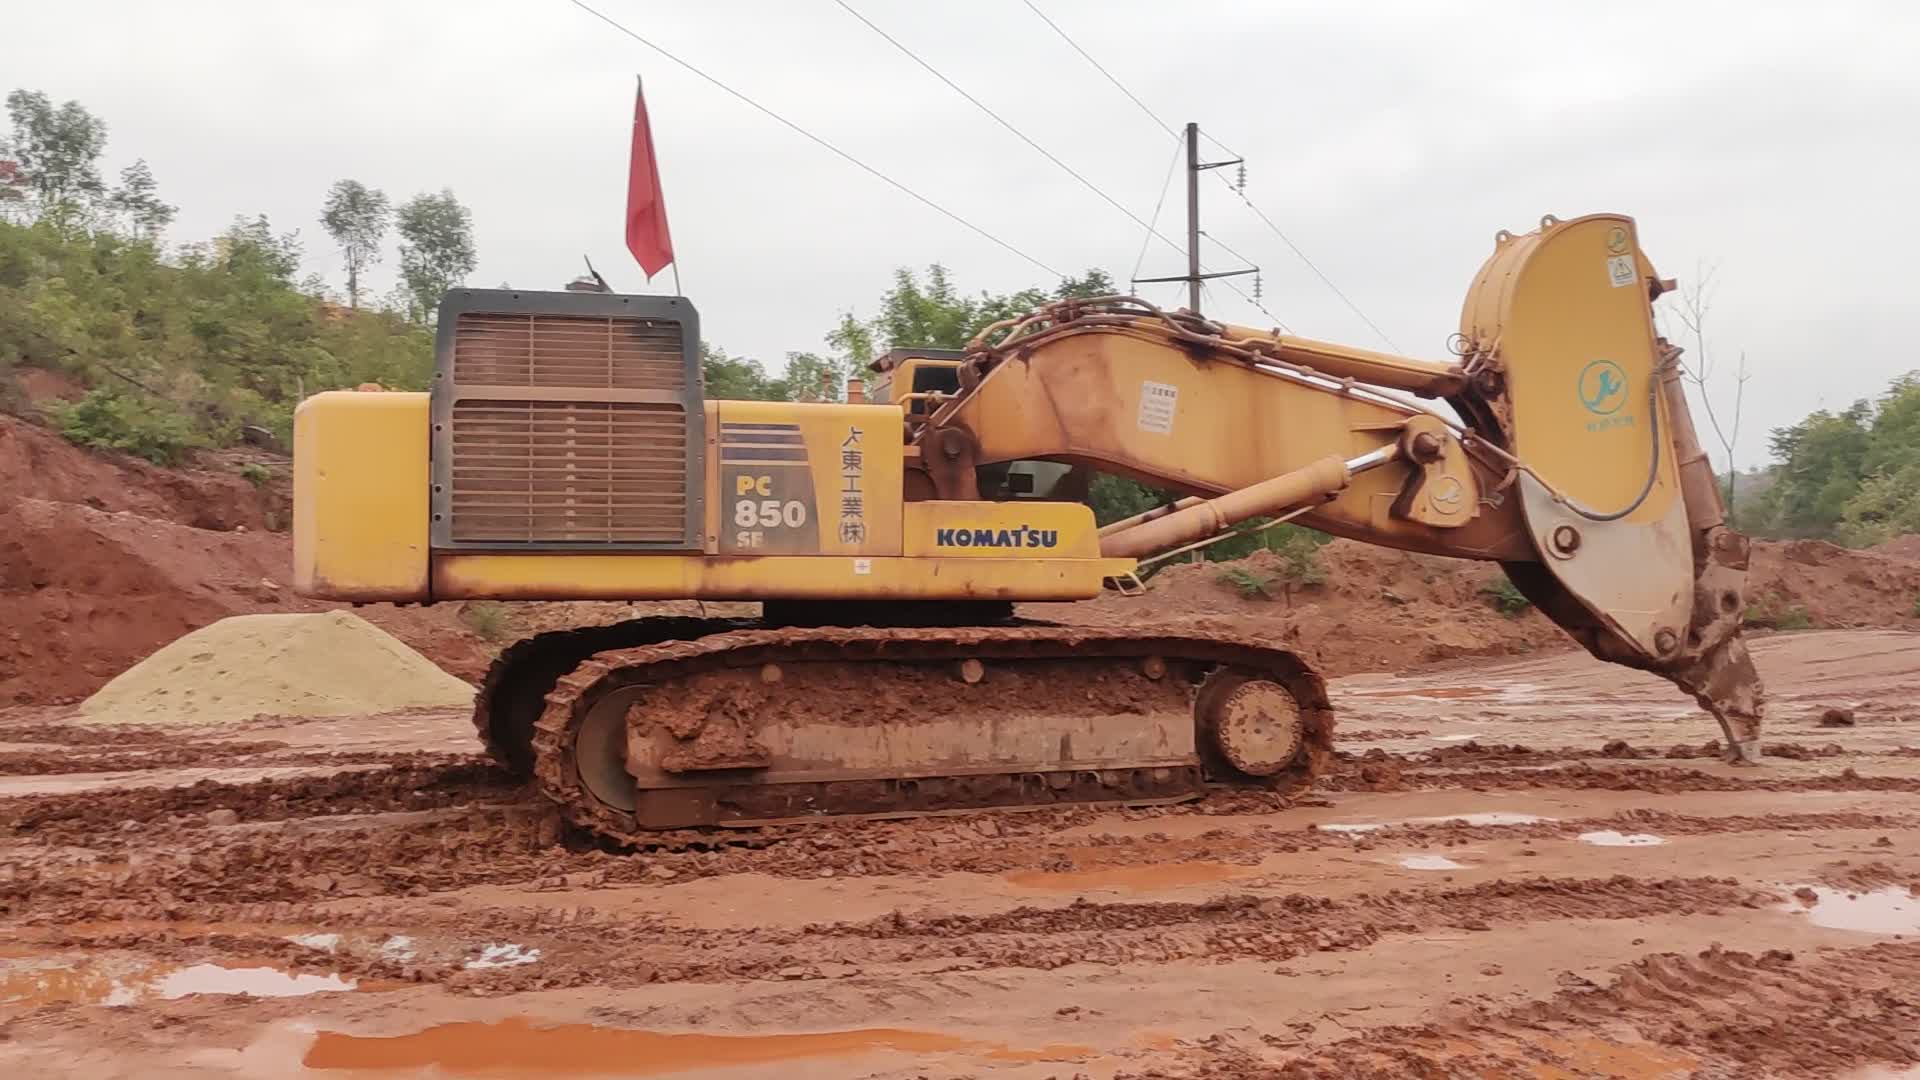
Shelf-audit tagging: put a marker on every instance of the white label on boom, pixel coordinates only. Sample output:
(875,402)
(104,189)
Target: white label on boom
(1620,270)
(1156,407)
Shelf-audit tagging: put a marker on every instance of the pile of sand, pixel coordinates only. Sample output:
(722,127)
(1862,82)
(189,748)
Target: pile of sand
(327,664)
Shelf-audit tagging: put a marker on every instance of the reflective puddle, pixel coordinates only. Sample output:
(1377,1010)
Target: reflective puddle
(249,981)
(1129,878)
(1491,817)
(1892,910)
(497,956)
(45,982)
(517,1048)
(1611,838)
(1430,862)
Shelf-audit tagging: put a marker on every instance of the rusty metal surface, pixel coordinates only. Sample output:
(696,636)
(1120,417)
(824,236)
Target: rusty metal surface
(732,797)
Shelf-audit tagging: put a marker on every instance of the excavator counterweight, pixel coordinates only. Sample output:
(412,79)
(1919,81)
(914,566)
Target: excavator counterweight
(567,451)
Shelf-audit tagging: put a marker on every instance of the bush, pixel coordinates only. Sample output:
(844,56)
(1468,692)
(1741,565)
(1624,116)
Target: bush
(1252,584)
(488,619)
(1505,597)
(256,474)
(1770,612)
(107,420)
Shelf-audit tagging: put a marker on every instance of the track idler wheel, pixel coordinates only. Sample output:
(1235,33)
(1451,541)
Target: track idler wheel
(1253,726)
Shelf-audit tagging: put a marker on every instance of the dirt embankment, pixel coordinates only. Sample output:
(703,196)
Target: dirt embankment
(104,559)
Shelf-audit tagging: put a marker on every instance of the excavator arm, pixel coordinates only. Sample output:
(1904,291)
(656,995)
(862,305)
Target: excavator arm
(1564,450)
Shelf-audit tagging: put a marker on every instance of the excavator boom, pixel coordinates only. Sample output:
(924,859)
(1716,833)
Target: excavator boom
(567,452)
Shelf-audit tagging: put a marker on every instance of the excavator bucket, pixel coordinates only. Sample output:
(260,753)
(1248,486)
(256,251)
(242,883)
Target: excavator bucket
(1620,501)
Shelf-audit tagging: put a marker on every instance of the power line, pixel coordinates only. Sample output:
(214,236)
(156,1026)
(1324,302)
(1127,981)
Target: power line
(1324,279)
(1295,248)
(863,166)
(1005,123)
(1090,185)
(1118,85)
(1165,184)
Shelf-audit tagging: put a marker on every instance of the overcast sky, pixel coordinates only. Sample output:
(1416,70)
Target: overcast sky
(1389,140)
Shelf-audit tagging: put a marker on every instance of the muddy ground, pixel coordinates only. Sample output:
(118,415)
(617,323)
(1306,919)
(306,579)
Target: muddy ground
(1524,867)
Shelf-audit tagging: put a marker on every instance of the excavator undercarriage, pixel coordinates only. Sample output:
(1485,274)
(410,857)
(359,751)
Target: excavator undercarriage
(567,452)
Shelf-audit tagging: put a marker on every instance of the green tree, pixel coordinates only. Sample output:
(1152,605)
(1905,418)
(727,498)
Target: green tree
(356,216)
(436,249)
(135,199)
(58,150)
(811,377)
(733,378)
(250,246)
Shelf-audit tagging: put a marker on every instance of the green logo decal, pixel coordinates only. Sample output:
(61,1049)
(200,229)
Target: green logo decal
(1603,387)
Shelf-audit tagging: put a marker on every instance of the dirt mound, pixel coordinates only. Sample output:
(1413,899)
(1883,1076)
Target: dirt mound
(327,664)
(38,464)
(88,593)
(1835,586)
(1900,547)
(1378,609)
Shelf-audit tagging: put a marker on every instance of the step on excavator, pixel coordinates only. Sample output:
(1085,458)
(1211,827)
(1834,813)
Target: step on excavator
(567,451)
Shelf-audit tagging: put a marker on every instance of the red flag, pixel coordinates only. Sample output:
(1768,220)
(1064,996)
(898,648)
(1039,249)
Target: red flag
(647,235)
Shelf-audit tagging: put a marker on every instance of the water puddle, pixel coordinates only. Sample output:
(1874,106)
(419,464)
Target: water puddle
(1129,878)
(247,982)
(1892,910)
(1430,862)
(1491,817)
(1440,693)
(1613,838)
(517,1048)
(499,956)
(45,982)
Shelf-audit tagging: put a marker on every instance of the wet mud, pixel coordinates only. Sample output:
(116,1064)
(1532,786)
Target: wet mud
(1565,891)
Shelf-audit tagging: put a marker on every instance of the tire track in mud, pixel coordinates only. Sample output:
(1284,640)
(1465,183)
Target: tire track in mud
(1725,1012)
(310,839)
(582,947)
(418,781)
(1581,776)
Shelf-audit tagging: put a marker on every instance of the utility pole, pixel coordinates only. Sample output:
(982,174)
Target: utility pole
(1193,217)
(1193,277)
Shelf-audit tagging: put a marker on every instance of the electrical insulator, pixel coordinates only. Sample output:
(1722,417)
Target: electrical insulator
(1240,178)
(1256,287)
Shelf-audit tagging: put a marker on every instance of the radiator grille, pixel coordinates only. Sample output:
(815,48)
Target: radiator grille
(538,350)
(545,471)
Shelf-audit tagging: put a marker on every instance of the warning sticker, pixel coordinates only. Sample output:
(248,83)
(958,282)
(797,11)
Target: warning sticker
(1620,270)
(1156,407)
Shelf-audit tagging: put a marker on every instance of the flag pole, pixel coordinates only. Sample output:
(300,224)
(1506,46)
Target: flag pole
(676,279)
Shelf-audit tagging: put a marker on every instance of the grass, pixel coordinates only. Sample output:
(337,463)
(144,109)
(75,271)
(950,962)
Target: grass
(1250,583)
(488,619)
(1770,612)
(1505,597)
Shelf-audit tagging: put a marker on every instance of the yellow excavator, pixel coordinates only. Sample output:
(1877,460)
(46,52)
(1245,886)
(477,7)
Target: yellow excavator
(567,451)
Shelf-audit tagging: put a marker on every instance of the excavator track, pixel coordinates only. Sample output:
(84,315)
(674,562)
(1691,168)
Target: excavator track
(750,727)
(514,692)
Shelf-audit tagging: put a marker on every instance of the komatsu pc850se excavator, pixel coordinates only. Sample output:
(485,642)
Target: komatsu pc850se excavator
(567,451)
